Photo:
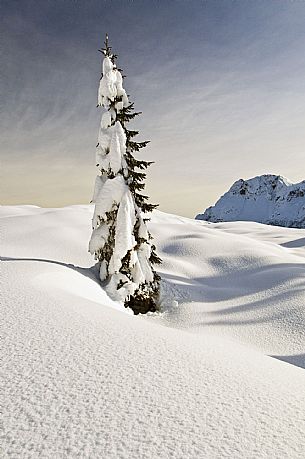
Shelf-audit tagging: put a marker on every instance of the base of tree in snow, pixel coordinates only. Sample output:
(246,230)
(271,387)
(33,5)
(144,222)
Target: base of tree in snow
(142,305)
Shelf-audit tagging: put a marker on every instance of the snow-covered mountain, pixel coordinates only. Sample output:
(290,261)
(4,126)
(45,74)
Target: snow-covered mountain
(270,199)
(220,374)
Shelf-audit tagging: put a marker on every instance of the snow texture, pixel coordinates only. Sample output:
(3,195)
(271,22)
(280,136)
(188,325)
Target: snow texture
(111,148)
(99,182)
(111,86)
(269,199)
(110,193)
(220,373)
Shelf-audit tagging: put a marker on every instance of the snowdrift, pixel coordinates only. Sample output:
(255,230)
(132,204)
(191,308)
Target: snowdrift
(219,375)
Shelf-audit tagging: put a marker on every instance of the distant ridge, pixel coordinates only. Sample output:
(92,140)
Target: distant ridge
(269,199)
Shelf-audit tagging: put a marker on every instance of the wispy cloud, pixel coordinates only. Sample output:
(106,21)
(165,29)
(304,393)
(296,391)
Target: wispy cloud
(222,93)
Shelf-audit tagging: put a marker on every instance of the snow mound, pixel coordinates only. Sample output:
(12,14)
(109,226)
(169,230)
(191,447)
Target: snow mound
(269,199)
(81,378)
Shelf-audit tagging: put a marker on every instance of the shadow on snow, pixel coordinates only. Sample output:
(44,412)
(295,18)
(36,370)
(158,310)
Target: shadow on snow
(91,272)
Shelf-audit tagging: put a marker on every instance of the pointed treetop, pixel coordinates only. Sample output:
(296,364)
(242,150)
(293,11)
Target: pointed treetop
(107,49)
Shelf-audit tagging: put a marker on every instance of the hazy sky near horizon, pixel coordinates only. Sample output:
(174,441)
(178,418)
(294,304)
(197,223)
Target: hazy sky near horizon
(221,85)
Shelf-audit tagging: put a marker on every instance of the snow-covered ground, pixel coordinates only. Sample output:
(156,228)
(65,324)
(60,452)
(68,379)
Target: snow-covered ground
(219,375)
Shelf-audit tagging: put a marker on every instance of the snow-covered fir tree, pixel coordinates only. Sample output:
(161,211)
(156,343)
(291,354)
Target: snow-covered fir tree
(120,240)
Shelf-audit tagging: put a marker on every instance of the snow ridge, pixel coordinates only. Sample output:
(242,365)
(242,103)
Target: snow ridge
(269,199)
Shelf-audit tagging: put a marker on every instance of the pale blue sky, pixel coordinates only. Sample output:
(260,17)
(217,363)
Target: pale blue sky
(221,85)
